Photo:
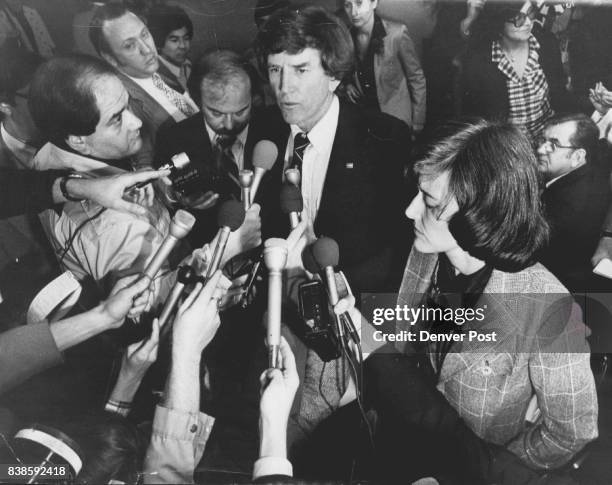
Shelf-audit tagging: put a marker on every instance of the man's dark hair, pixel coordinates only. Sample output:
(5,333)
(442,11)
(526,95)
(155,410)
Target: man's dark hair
(62,101)
(586,134)
(265,8)
(493,177)
(490,23)
(163,19)
(219,67)
(292,30)
(105,13)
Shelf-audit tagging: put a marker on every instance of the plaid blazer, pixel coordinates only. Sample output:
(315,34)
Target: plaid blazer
(540,351)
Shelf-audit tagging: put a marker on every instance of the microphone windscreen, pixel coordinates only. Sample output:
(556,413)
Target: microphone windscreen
(291,199)
(264,154)
(308,260)
(231,214)
(181,224)
(326,252)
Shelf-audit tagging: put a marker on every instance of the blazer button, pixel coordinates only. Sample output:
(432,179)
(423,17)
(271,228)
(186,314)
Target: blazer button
(194,428)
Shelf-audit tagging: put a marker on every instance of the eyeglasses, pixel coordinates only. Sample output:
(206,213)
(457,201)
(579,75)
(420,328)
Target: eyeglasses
(520,18)
(551,145)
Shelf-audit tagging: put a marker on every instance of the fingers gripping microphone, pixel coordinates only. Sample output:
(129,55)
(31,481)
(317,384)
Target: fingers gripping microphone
(264,156)
(293,176)
(326,255)
(275,258)
(230,217)
(184,276)
(291,203)
(245,177)
(181,224)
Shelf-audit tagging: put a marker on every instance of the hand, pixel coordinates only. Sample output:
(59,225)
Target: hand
(353,93)
(206,201)
(139,356)
(143,196)
(197,319)
(600,98)
(247,236)
(109,191)
(604,250)
(234,293)
(129,297)
(278,388)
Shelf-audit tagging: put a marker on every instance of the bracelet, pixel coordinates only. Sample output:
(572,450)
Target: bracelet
(64,190)
(606,233)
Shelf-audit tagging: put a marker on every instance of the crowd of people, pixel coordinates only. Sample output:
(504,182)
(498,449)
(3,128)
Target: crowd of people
(472,177)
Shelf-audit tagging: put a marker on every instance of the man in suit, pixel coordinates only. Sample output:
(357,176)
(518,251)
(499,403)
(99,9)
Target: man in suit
(124,41)
(219,139)
(351,161)
(172,32)
(576,197)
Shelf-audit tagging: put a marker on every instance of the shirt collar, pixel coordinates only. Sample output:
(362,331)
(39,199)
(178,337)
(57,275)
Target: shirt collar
(174,69)
(323,132)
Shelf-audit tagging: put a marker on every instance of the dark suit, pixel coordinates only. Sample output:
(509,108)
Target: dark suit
(190,136)
(169,78)
(576,206)
(364,194)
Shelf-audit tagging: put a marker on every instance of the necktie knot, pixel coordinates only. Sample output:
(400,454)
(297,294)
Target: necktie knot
(300,142)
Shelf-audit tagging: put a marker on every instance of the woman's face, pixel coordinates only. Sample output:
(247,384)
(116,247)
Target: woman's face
(521,33)
(431,210)
(360,11)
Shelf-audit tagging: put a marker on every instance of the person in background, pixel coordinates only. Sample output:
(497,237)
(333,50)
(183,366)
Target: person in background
(172,31)
(23,25)
(388,77)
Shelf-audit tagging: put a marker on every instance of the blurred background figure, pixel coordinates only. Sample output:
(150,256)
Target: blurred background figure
(23,25)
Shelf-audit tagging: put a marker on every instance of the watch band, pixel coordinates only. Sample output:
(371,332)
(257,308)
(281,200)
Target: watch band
(64,190)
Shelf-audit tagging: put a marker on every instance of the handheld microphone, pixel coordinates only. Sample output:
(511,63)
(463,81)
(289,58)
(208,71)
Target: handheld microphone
(291,203)
(275,258)
(293,176)
(184,276)
(245,177)
(264,156)
(177,162)
(181,224)
(326,255)
(229,218)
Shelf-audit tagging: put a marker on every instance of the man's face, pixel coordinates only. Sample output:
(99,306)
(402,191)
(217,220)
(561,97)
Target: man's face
(227,109)
(132,46)
(360,12)
(176,47)
(117,133)
(19,118)
(556,154)
(302,88)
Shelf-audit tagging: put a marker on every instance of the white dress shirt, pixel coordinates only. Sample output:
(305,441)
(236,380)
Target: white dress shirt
(159,96)
(316,158)
(237,147)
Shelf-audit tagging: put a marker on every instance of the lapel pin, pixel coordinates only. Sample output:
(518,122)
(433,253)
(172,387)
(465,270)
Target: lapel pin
(350,165)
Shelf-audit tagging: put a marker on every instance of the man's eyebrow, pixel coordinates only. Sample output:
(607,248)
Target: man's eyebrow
(116,116)
(300,65)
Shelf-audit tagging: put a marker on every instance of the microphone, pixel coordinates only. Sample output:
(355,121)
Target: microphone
(185,275)
(326,255)
(275,258)
(181,224)
(264,156)
(245,177)
(229,218)
(291,203)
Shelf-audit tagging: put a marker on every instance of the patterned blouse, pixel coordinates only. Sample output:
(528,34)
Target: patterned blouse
(528,97)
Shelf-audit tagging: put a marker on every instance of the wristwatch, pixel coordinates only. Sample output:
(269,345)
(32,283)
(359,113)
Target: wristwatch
(64,190)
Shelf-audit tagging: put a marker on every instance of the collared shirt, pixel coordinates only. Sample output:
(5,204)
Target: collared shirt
(159,96)
(23,152)
(91,241)
(237,147)
(180,72)
(316,158)
(528,97)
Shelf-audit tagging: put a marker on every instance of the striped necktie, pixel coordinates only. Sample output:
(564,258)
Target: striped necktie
(300,143)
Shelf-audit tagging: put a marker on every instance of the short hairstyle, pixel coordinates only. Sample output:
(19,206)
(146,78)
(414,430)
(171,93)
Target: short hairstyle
(163,19)
(292,30)
(219,67)
(493,176)
(490,23)
(18,68)
(62,101)
(586,134)
(103,14)
(265,8)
